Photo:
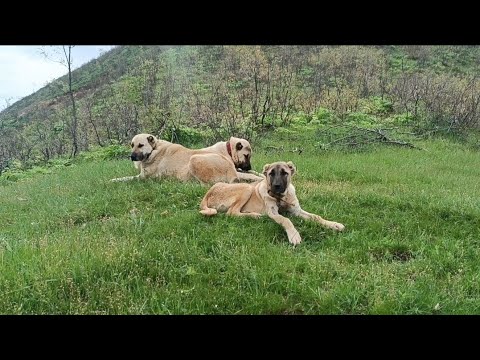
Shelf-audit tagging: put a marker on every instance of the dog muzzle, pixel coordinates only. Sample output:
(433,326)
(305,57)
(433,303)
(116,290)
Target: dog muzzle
(245,166)
(139,157)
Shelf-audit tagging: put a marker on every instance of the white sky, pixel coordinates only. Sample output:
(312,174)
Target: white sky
(24,70)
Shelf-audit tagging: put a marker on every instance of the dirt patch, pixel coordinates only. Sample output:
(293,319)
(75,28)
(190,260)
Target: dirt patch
(392,253)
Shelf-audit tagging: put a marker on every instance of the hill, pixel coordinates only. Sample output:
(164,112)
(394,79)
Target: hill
(192,94)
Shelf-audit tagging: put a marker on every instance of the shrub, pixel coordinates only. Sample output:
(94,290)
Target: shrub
(375,105)
(114,151)
(187,136)
(324,115)
(361,119)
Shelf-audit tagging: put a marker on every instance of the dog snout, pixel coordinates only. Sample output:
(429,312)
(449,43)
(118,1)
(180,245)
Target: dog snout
(245,166)
(134,157)
(277,187)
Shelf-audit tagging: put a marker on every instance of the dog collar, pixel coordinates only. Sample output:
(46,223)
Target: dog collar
(229,148)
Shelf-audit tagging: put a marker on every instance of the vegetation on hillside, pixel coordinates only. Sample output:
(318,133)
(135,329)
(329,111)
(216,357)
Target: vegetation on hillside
(202,94)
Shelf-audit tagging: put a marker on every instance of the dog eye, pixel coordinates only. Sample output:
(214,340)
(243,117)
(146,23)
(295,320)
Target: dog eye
(272,173)
(140,145)
(132,144)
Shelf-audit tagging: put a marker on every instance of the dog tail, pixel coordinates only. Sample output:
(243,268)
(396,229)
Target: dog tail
(205,210)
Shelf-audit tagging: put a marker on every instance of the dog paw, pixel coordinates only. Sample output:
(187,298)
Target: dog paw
(295,238)
(208,212)
(338,226)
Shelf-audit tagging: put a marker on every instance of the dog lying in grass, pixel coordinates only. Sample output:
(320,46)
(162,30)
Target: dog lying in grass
(268,196)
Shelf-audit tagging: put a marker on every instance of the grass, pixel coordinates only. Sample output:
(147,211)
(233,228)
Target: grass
(71,242)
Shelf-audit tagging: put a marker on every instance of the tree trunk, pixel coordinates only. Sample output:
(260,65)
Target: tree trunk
(72,98)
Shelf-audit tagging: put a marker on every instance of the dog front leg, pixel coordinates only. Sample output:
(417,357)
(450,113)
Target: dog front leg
(292,233)
(140,176)
(126,178)
(298,211)
(248,177)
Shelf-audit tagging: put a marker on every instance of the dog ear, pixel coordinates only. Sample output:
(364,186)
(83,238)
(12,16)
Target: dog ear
(292,167)
(152,140)
(239,146)
(265,169)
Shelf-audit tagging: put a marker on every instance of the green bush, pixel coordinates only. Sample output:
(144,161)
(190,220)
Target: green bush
(361,119)
(401,119)
(324,115)
(375,105)
(114,151)
(283,133)
(13,175)
(301,119)
(186,136)
(60,162)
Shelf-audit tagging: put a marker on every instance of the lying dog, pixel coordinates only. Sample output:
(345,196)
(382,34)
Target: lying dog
(274,193)
(159,158)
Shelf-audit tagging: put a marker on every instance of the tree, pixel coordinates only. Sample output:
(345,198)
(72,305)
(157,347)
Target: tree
(66,60)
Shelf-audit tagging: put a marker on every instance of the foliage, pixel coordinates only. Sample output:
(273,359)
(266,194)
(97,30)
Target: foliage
(185,135)
(202,94)
(375,105)
(361,119)
(114,151)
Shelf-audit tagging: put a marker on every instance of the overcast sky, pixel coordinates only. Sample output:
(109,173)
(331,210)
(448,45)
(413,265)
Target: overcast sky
(24,70)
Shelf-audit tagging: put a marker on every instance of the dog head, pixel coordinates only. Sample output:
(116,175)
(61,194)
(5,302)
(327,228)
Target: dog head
(278,176)
(241,153)
(142,146)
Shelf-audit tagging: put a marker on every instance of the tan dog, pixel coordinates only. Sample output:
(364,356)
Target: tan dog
(275,192)
(159,158)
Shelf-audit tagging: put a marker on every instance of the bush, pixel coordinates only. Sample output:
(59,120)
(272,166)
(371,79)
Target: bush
(375,105)
(186,136)
(361,119)
(324,115)
(301,119)
(401,119)
(284,133)
(114,151)
(57,163)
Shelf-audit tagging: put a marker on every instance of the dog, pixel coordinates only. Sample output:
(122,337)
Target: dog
(159,158)
(268,196)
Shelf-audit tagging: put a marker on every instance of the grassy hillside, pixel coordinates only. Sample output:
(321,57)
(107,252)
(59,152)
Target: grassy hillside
(192,93)
(108,67)
(71,242)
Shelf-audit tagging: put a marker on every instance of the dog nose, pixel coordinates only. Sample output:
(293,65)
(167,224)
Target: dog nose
(277,186)
(133,157)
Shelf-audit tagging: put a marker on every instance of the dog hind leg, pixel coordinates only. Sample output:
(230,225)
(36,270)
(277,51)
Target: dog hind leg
(204,209)
(236,208)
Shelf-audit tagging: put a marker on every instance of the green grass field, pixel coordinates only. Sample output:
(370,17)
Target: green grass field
(71,242)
